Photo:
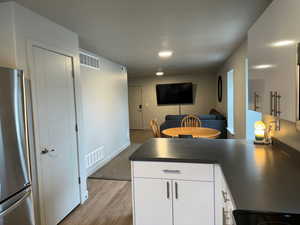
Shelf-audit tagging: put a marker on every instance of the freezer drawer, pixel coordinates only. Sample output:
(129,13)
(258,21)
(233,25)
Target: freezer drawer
(17,210)
(14,172)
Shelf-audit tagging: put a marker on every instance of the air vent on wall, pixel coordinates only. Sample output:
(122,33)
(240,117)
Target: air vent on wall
(94,157)
(89,60)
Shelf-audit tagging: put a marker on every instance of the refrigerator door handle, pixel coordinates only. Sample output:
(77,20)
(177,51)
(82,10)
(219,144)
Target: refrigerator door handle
(16,204)
(27,98)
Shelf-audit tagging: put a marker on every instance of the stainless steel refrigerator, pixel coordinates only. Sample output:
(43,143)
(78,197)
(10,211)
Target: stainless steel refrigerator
(15,180)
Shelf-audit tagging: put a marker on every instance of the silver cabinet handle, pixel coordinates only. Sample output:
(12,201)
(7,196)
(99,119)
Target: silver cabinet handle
(256,98)
(16,205)
(176,190)
(227,217)
(225,196)
(278,105)
(168,190)
(254,101)
(172,171)
(275,103)
(271,103)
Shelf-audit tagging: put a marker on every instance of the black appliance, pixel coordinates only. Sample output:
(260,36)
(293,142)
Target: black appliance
(176,93)
(245,217)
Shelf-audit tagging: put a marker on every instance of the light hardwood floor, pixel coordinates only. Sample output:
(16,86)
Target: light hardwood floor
(140,136)
(109,203)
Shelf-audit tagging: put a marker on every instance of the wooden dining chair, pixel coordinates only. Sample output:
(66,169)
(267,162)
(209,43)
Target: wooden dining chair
(191,121)
(155,129)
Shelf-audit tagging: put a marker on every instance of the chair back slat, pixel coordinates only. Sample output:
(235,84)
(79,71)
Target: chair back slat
(155,129)
(191,121)
(185,136)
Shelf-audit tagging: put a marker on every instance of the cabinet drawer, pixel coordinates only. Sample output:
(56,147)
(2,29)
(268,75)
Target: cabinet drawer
(169,170)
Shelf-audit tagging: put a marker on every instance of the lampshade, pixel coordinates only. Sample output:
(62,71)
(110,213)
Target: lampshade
(259,130)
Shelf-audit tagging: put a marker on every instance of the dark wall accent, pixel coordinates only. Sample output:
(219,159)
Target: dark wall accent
(220,89)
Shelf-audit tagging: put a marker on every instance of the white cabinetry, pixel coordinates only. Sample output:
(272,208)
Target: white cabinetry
(173,193)
(228,207)
(152,201)
(193,202)
(272,52)
(224,201)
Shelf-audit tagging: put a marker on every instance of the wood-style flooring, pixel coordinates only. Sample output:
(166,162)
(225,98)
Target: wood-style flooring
(109,203)
(140,136)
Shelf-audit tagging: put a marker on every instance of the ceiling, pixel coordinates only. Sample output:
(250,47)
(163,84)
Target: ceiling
(202,33)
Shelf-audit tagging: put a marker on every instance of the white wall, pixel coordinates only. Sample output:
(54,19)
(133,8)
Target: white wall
(30,26)
(7,36)
(19,28)
(237,62)
(33,28)
(104,100)
(204,97)
(105,105)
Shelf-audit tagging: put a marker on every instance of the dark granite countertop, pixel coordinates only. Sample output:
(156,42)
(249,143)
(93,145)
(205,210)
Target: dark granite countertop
(264,178)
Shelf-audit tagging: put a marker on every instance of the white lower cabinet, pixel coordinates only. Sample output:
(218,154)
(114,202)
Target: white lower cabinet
(173,201)
(152,202)
(223,200)
(194,203)
(228,207)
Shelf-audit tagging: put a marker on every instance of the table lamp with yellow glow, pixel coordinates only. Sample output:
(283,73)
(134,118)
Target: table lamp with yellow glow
(259,131)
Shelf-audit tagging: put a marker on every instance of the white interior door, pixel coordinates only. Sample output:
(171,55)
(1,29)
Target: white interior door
(135,107)
(193,203)
(54,108)
(152,202)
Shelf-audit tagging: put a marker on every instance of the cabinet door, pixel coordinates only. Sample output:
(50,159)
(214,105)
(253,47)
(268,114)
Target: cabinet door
(272,52)
(193,203)
(152,202)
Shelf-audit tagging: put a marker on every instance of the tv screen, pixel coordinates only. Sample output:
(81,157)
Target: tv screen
(179,93)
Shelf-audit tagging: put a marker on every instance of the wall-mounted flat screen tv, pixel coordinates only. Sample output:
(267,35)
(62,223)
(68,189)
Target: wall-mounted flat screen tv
(178,93)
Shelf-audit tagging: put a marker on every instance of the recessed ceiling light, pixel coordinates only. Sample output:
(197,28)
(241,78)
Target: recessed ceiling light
(263,66)
(165,54)
(283,43)
(159,73)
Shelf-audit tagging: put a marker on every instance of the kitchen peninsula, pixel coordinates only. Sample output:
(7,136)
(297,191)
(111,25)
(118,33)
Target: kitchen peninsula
(261,178)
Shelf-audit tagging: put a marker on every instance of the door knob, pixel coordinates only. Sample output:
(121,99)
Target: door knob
(45,151)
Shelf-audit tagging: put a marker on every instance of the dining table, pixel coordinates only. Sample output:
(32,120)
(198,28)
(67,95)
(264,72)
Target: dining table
(195,132)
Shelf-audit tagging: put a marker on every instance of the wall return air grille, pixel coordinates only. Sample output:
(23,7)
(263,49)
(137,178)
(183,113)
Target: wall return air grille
(94,157)
(89,60)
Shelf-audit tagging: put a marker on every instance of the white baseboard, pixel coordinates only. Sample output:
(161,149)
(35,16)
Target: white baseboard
(107,159)
(86,196)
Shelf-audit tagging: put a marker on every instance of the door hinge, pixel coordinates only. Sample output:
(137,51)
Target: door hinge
(76,128)
(79,180)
